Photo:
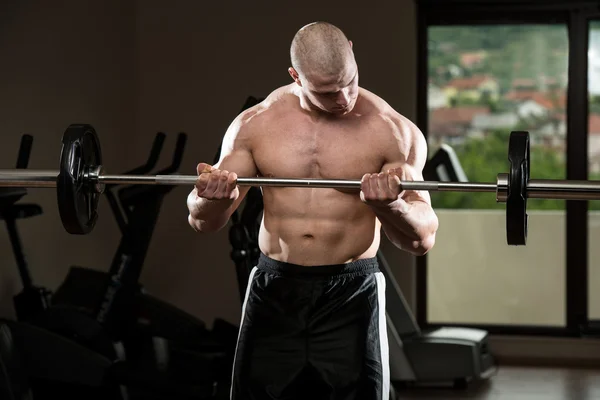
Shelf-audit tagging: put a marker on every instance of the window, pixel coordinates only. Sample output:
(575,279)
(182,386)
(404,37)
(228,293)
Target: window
(594,168)
(487,67)
(485,81)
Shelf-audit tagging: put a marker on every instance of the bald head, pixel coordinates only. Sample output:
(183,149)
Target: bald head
(324,69)
(322,49)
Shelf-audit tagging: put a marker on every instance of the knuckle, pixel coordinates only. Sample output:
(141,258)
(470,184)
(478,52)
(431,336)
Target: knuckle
(201,183)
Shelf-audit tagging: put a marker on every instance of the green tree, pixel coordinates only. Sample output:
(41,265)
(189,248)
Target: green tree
(483,158)
(514,51)
(594,104)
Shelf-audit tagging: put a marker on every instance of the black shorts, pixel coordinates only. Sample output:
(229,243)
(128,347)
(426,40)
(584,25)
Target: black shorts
(312,333)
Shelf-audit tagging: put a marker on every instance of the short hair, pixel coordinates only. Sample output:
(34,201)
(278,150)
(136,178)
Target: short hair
(319,47)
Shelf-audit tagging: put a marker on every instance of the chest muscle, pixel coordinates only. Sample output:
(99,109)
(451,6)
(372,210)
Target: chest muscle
(317,150)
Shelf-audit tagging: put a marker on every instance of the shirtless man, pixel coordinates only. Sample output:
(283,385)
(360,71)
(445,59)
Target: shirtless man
(313,320)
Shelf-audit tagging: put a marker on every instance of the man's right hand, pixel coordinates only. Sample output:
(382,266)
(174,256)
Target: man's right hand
(214,184)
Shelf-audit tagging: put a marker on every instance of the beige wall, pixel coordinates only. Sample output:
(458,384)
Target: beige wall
(475,277)
(64,63)
(134,68)
(197,65)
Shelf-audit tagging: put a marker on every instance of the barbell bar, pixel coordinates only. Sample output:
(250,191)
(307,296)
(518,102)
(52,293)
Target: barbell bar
(536,188)
(48,179)
(81,180)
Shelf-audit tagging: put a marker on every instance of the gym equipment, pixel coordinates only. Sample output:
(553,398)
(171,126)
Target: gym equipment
(81,179)
(35,363)
(39,364)
(444,165)
(150,330)
(441,356)
(445,355)
(110,332)
(32,299)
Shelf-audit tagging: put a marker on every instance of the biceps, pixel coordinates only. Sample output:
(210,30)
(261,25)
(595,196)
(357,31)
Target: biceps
(239,161)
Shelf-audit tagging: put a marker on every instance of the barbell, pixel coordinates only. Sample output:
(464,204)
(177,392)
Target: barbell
(81,180)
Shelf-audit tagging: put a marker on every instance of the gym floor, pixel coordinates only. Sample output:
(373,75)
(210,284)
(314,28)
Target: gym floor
(521,383)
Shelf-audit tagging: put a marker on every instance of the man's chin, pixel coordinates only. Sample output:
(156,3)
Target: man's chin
(340,111)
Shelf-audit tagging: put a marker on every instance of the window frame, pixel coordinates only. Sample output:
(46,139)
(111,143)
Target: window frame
(576,16)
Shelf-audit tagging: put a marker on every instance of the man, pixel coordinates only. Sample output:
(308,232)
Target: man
(313,320)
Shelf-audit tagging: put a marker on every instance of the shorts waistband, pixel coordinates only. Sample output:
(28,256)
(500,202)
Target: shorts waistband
(363,266)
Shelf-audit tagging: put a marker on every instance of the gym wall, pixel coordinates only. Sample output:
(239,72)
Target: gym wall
(197,65)
(62,63)
(133,68)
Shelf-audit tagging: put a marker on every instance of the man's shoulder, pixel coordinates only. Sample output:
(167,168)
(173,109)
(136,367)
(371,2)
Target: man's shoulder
(256,119)
(275,100)
(395,129)
(380,110)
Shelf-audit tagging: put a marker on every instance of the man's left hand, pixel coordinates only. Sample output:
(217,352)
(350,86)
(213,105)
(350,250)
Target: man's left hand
(381,189)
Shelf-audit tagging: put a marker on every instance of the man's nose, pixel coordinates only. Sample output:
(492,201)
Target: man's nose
(342,98)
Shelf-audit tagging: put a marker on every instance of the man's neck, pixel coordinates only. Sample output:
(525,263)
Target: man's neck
(308,106)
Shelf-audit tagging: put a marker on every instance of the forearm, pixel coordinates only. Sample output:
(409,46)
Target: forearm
(208,215)
(409,226)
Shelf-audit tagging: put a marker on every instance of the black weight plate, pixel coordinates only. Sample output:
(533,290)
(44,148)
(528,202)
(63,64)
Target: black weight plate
(77,199)
(518,178)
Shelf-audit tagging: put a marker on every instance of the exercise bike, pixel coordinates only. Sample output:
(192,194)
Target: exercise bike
(36,363)
(105,335)
(150,331)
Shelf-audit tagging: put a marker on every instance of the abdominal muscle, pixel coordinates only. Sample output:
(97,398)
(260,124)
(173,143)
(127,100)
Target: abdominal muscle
(317,226)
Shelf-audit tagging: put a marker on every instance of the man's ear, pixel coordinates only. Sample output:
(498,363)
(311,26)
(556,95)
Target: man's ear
(350,41)
(294,74)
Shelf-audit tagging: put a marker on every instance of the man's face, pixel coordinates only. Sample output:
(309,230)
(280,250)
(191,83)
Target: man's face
(335,94)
